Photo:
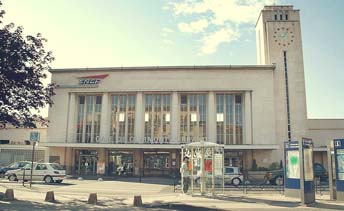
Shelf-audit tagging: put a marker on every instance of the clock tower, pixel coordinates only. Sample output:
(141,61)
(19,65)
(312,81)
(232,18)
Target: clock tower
(278,34)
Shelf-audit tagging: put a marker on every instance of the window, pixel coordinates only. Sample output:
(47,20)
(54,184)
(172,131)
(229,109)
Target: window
(193,117)
(157,118)
(122,118)
(4,141)
(286,17)
(41,167)
(281,17)
(88,119)
(229,170)
(275,17)
(156,160)
(229,119)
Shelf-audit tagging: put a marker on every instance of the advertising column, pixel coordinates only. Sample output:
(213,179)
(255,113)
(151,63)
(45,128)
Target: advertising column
(292,169)
(339,166)
(307,172)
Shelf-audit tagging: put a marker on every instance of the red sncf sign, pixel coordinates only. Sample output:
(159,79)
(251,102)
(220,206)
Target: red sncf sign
(91,80)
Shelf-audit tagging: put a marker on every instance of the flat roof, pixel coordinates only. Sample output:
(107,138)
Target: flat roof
(162,68)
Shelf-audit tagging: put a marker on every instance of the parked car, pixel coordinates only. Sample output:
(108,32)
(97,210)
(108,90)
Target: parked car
(13,166)
(232,175)
(277,177)
(47,172)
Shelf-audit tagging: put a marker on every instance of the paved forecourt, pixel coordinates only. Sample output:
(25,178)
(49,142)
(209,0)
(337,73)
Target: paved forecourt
(118,195)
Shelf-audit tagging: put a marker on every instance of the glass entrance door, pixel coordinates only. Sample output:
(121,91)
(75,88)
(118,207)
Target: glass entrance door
(120,163)
(86,162)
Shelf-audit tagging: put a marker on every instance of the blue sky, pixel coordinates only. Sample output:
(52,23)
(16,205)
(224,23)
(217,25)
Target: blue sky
(87,33)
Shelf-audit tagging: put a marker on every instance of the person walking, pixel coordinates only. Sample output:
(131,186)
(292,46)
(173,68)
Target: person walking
(185,172)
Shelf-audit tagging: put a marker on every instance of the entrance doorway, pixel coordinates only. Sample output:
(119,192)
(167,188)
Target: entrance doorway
(120,163)
(86,162)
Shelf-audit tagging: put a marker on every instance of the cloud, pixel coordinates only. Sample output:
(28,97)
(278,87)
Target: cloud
(193,27)
(225,19)
(213,40)
(167,30)
(168,42)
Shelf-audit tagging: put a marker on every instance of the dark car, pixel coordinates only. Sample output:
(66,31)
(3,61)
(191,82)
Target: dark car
(13,166)
(277,177)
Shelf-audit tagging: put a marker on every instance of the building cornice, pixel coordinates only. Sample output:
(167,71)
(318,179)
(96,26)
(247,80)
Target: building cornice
(167,68)
(154,146)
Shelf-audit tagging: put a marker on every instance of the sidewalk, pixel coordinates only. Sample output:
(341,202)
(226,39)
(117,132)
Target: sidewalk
(118,195)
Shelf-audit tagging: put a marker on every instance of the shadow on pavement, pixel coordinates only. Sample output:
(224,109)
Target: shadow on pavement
(180,207)
(276,203)
(110,204)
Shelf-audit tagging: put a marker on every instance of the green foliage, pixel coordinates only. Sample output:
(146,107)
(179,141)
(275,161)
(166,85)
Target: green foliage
(274,166)
(262,168)
(23,66)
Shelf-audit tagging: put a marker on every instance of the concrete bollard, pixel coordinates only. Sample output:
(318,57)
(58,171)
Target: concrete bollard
(80,178)
(138,201)
(50,197)
(92,199)
(9,194)
(100,179)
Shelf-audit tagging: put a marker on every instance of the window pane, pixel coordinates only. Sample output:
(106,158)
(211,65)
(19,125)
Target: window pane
(157,118)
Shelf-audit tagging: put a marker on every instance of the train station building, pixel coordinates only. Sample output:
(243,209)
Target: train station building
(133,120)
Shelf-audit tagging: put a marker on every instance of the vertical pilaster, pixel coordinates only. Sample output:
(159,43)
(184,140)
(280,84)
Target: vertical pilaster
(71,123)
(211,117)
(247,118)
(139,118)
(175,118)
(105,119)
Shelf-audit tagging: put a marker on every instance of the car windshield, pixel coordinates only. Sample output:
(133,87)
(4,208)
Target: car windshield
(27,166)
(13,165)
(56,166)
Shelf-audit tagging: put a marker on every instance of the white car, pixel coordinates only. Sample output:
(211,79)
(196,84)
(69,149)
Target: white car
(232,175)
(47,172)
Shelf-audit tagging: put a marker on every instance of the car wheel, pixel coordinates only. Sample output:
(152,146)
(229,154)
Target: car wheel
(236,181)
(279,181)
(2,175)
(48,179)
(12,178)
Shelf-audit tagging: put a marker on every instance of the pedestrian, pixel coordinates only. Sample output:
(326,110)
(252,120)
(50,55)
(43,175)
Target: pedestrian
(185,172)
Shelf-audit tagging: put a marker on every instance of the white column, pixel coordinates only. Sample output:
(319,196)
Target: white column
(71,123)
(105,119)
(247,118)
(139,120)
(175,118)
(211,117)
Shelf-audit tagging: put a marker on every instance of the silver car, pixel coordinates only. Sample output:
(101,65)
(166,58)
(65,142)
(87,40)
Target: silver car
(47,172)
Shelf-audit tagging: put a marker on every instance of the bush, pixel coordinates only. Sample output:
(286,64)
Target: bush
(274,166)
(262,169)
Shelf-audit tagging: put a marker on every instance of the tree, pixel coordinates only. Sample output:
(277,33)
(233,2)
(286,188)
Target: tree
(23,63)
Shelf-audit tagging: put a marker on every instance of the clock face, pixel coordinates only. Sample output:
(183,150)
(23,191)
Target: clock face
(283,36)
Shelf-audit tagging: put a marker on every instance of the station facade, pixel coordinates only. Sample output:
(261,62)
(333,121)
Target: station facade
(133,120)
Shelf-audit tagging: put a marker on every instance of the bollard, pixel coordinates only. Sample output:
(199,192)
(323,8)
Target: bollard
(100,179)
(9,194)
(138,201)
(80,178)
(50,197)
(92,199)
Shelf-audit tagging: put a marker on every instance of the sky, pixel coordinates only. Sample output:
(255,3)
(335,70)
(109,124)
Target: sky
(110,33)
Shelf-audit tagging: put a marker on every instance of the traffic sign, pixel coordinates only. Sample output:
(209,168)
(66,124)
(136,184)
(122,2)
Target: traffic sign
(34,136)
